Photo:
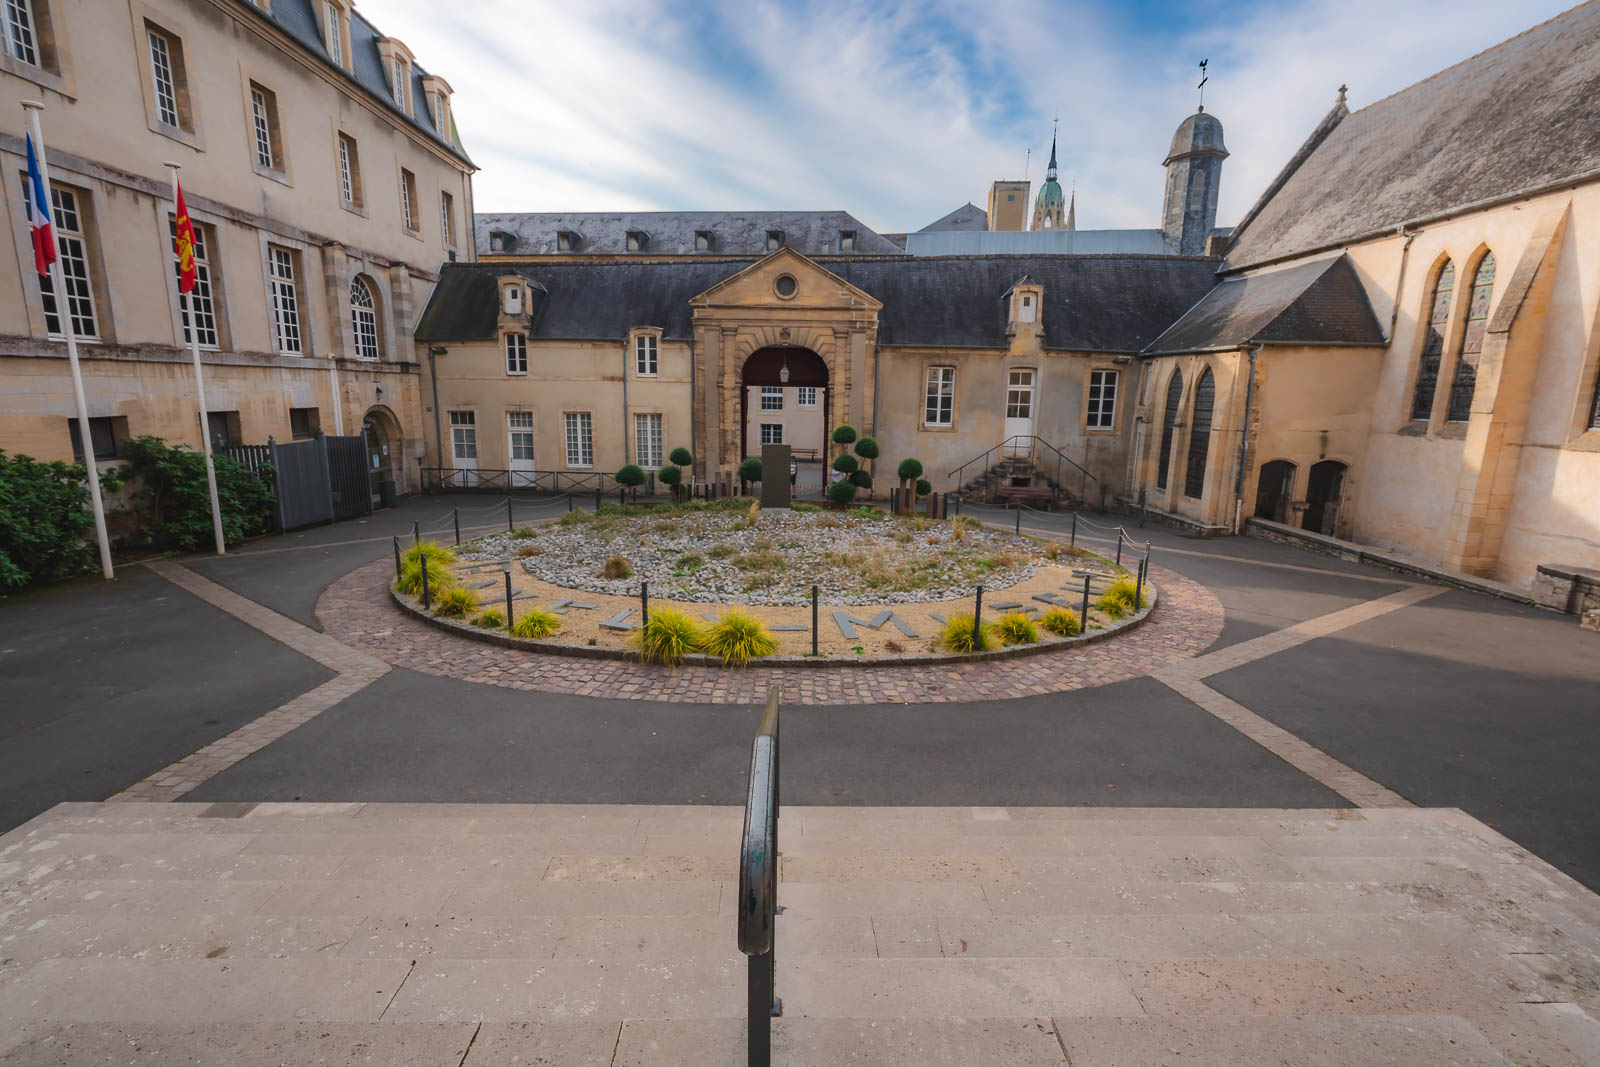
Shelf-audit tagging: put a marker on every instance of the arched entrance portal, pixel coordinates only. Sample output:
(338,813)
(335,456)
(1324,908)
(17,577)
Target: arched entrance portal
(784,399)
(383,453)
(1324,490)
(1274,490)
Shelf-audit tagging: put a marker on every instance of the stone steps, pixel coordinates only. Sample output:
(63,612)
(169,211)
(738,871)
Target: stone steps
(257,934)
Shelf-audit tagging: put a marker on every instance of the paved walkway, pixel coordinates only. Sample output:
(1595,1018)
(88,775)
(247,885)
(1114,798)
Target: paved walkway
(457,935)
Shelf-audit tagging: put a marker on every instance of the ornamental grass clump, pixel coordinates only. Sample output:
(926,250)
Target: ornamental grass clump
(1063,622)
(738,637)
(536,623)
(1015,628)
(961,635)
(617,567)
(490,620)
(454,603)
(1119,600)
(669,636)
(440,576)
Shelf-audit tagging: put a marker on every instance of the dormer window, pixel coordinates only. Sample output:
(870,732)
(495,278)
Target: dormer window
(501,241)
(637,239)
(703,240)
(568,240)
(847,240)
(774,240)
(513,299)
(397,82)
(333,28)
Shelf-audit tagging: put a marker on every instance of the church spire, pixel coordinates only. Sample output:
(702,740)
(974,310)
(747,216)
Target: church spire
(1050,171)
(1050,208)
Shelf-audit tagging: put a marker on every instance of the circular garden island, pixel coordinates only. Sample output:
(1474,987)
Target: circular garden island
(729,580)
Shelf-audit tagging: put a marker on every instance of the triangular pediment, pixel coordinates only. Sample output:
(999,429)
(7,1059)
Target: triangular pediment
(758,285)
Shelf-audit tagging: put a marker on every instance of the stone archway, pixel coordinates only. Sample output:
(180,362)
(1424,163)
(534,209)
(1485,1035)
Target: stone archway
(385,454)
(804,400)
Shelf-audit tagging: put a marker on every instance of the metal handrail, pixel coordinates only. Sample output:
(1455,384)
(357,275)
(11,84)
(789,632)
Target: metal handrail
(758,885)
(490,478)
(1033,439)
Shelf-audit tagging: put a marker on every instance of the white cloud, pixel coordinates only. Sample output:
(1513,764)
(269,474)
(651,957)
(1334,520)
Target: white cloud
(900,111)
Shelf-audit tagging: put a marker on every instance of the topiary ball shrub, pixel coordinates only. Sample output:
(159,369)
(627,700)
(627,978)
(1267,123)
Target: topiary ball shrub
(843,435)
(630,475)
(842,493)
(861,479)
(681,456)
(846,464)
(537,623)
(867,448)
(750,470)
(924,487)
(668,637)
(960,635)
(670,476)
(455,603)
(1015,628)
(1063,622)
(909,469)
(738,637)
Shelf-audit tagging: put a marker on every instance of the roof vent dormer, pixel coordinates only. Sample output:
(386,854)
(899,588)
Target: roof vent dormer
(568,240)
(502,241)
(638,240)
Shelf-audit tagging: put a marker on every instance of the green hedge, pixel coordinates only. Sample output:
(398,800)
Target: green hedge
(46,527)
(173,505)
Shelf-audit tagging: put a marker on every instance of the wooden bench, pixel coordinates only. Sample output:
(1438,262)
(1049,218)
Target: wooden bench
(804,453)
(1027,494)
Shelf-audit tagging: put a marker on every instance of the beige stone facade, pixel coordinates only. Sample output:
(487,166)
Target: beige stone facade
(302,175)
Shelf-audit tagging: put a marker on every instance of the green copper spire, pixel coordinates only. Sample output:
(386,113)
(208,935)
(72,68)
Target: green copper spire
(1050,171)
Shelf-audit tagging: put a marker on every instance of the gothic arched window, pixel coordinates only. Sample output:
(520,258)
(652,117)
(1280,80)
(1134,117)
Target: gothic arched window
(1472,342)
(1194,482)
(1433,347)
(1169,419)
(363,319)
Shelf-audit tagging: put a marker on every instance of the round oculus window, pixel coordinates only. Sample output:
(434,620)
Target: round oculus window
(785,285)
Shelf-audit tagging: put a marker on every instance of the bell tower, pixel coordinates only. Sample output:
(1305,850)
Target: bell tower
(1194,172)
(1050,210)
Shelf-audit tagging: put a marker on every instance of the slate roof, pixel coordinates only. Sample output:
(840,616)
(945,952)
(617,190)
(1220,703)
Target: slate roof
(735,233)
(1091,303)
(968,216)
(1524,114)
(1037,242)
(1317,303)
(299,19)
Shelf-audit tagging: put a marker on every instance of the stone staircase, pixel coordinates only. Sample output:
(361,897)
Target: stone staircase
(985,489)
(453,934)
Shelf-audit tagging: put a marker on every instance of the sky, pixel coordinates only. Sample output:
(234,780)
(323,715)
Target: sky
(900,111)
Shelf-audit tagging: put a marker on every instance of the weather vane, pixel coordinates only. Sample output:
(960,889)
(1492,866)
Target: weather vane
(1204,77)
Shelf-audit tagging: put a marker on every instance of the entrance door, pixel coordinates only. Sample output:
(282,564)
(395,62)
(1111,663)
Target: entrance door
(380,467)
(519,449)
(1273,490)
(464,448)
(1019,412)
(1324,488)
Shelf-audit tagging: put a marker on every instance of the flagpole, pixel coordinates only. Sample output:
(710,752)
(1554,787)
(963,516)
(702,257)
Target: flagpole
(64,316)
(185,307)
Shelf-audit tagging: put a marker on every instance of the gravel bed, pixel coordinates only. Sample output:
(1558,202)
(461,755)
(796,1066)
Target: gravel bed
(890,561)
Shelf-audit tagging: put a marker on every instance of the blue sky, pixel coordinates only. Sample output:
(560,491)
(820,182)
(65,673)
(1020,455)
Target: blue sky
(901,110)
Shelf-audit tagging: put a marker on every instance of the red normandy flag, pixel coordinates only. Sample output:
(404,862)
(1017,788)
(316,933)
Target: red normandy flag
(185,243)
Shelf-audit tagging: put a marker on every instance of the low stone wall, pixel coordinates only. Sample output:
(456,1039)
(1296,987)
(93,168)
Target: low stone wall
(1574,590)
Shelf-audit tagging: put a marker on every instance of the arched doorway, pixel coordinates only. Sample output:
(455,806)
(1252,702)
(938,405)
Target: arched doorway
(1324,490)
(1274,489)
(383,453)
(784,399)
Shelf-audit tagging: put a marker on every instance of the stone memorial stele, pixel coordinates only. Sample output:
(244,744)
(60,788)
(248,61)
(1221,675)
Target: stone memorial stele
(775,476)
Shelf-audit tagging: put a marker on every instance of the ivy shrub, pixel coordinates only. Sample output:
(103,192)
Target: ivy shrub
(173,504)
(46,527)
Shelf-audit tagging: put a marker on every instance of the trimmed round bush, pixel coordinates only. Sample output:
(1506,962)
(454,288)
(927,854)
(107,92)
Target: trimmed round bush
(630,475)
(842,493)
(669,475)
(843,435)
(924,487)
(861,479)
(867,448)
(846,464)
(909,469)
(750,470)
(681,456)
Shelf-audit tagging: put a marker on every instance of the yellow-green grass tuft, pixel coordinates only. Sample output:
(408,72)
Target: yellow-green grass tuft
(1063,622)
(668,637)
(1015,628)
(617,567)
(1119,600)
(738,637)
(440,575)
(960,635)
(455,603)
(536,623)
(490,620)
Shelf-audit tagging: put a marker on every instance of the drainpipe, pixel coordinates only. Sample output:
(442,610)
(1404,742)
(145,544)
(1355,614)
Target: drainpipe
(433,373)
(694,401)
(1244,441)
(1400,280)
(625,343)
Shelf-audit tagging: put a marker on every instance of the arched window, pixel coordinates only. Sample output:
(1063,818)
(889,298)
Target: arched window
(1472,342)
(363,319)
(1194,482)
(1168,420)
(1433,347)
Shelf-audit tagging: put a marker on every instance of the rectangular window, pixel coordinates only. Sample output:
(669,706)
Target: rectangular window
(847,240)
(647,440)
(285,300)
(397,81)
(335,38)
(1019,395)
(447,219)
(520,425)
(437,107)
(516,353)
(464,434)
(19,37)
(580,439)
(644,357)
(1102,413)
(772,398)
(264,115)
(72,251)
(772,433)
(304,423)
(162,78)
(408,198)
(349,172)
(104,434)
(940,406)
(806,396)
(202,307)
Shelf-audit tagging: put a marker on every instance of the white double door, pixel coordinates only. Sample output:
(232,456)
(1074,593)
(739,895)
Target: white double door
(519,450)
(1019,412)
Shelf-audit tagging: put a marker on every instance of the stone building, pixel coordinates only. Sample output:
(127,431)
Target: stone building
(326,182)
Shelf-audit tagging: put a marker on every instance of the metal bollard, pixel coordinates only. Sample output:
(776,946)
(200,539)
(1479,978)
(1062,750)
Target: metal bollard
(1138,587)
(813,620)
(1019,519)
(508,515)
(1074,529)
(1119,548)
(1083,619)
(977,619)
(424,580)
(455,516)
(569,503)
(510,617)
(416,531)
(644,601)
(397,557)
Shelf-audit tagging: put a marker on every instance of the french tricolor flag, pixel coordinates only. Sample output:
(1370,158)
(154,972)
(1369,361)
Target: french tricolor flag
(44,234)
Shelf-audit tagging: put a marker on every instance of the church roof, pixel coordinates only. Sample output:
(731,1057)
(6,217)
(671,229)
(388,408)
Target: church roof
(1091,303)
(1521,116)
(1060,241)
(672,233)
(966,217)
(1317,303)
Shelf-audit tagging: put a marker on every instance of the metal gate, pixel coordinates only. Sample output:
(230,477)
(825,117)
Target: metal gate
(347,476)
(319,480)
